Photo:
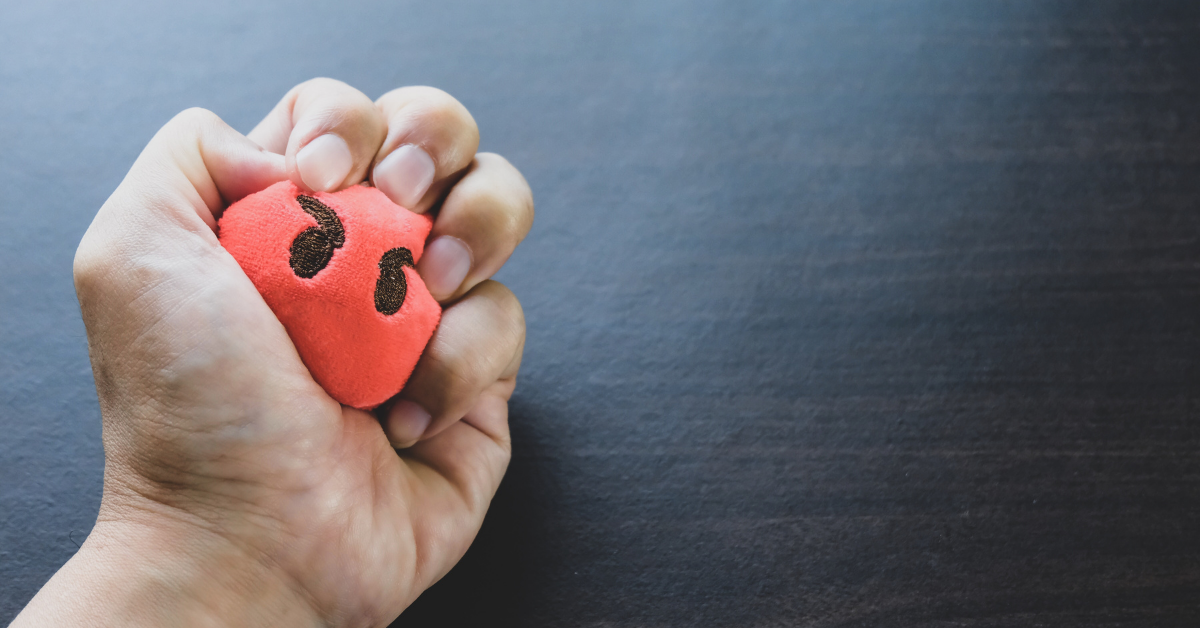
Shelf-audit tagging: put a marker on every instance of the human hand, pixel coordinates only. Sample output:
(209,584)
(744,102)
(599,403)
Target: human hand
(236,492)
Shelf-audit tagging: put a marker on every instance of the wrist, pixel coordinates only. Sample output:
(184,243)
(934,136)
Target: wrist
(134,572)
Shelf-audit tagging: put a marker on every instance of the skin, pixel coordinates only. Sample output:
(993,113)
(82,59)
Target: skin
(236,492)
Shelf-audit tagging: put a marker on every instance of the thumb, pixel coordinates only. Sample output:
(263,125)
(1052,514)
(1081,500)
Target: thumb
(168,204)
(190,171)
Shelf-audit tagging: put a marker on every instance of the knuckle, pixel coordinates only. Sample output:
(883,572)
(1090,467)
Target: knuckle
(326,90)
(500,215)
(518,196)
(321,83)
(452,115)
(193,118)
(321,89)
(497,202)
(433,99)
(509,315)
(459,370)
(466,366)
(478,484)
(435,108)
(88,267)
(334,103)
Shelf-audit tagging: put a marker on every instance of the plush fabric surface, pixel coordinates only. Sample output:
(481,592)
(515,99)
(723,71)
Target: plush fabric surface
(333,279)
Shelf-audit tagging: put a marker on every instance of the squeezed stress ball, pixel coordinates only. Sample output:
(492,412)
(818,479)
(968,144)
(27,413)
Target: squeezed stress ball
(337,270)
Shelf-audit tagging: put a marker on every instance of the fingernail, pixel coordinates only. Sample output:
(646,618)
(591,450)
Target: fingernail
(407,421)
(324,163)
(444,266)
(405,175)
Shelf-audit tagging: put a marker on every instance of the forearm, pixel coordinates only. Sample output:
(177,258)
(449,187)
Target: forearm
(132,574)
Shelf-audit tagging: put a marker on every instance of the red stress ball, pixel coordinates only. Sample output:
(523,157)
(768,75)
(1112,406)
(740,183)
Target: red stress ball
(338,271)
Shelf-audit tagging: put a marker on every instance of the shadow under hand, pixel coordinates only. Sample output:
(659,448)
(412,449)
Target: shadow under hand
(495,581)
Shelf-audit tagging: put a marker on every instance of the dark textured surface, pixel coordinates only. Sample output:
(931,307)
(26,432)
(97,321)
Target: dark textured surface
(840,313)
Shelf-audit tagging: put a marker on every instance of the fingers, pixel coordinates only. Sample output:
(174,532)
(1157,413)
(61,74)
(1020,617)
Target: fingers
(459,471)
(483,219)
(431,138)
(328,132)
(331,134)
(478,343)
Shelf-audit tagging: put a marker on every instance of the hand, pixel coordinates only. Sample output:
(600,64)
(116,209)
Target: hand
(236,492)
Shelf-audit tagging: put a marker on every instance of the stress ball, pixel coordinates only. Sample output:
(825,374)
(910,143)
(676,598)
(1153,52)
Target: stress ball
(338,271)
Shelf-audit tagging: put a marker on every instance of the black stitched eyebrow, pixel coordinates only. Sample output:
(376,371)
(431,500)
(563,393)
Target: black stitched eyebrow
(392,286)
(313,248)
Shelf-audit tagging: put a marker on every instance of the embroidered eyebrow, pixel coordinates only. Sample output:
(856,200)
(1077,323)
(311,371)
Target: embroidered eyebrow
(313,248)
(392,286)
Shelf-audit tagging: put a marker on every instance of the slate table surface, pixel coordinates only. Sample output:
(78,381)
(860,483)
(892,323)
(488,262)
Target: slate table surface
(868,313)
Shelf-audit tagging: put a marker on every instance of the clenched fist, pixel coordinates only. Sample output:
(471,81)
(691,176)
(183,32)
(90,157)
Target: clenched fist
(236,491)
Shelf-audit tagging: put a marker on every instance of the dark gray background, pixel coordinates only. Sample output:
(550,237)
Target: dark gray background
(840,313)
